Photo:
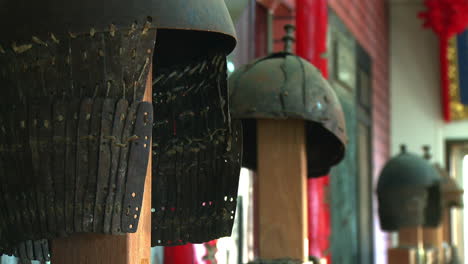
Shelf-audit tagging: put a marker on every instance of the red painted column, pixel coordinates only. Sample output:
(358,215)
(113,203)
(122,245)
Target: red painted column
(311,44)
(311,32)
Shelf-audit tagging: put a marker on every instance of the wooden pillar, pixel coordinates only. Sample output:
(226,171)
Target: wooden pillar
(402,256)
(434,238)
(282,189)
(410,247)
(412,237)
(106,249)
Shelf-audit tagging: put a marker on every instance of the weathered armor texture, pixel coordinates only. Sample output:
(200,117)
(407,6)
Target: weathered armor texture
(196,153)
(409,193)
(452,193)
(285,86)
(73,127)
(75,135)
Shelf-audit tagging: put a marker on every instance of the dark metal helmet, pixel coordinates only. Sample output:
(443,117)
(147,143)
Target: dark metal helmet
(20,20)
(74,130)
(452,193)
(409,193)
(285,86)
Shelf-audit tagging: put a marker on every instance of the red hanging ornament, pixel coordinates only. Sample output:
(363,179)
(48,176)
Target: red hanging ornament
(445,17)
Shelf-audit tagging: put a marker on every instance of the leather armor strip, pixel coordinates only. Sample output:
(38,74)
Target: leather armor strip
(122,171)
(115,146)
(103,184)
(59,150)
(82,164)
(94,157)
(137,167)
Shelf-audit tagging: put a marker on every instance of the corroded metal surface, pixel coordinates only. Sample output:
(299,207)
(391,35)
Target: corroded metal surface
(74,139)
(196,153)
(20,18)
(409,193)
(58,108)
(452,193)
(284,86)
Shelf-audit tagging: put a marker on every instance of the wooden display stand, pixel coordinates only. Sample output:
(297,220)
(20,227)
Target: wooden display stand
(410,241)
(402,256)
(282,189)
(107,249)
(434,238)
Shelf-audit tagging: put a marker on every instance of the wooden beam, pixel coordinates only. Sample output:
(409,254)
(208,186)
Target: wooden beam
(434,238)
(106,249)
(412,237)
(282,189)
(402,256)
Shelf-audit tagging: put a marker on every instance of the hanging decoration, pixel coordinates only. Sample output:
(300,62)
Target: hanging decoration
(449,19)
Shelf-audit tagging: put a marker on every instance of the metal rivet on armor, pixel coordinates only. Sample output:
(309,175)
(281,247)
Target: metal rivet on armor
(2,50)
(130,226)
(112,29)
(88,116)
(85,55)
(38,41)
(54,39)
(92,32)
(46,123)
(21,49)
(135,216)
(101,53)
(133,195)
(60,118)
(22,124)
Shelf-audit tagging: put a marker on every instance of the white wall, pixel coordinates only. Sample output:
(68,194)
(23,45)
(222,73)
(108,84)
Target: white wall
(416,115)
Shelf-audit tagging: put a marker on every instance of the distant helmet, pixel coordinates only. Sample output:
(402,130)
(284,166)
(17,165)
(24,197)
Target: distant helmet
(452,193)
(285,86)
(409,193)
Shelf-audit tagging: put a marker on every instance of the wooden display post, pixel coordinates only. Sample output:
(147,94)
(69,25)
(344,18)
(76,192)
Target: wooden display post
(434,239)
(282,189)
(107,249)
(410,247)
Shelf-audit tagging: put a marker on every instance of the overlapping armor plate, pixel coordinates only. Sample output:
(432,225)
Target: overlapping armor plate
(74,136)
(196,153)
